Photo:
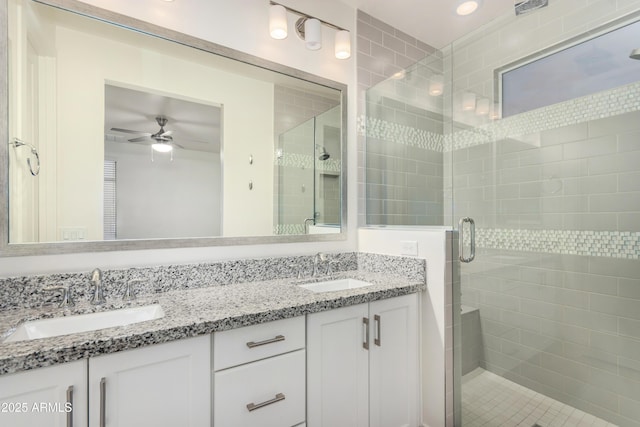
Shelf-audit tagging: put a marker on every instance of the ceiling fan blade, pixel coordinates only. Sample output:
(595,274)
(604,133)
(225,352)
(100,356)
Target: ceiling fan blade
(177,145)
(167,133)
(130,131)
(140,139)
(147,143)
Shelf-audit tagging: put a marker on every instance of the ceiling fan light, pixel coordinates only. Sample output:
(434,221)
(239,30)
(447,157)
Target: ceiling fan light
(162,147)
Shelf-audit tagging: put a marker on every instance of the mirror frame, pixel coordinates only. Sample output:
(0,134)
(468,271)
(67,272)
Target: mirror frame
(24,249)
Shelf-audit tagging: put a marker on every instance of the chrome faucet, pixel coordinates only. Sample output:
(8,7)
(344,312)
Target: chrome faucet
(98,295)
(319,258)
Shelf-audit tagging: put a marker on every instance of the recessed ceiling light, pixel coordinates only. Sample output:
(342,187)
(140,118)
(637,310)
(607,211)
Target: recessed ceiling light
(467,7)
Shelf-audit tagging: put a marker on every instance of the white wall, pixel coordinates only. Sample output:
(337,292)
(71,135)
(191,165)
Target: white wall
(435,326)
(242,26)
(166,198)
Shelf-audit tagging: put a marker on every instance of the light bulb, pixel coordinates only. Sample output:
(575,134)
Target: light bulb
(468,101)
(162,147)
(278,22)
(343,44)
(313,34)
(436,85)
(467,7)
(482,107)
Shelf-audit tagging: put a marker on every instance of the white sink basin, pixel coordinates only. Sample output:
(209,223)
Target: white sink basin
(335,285)
(56,326)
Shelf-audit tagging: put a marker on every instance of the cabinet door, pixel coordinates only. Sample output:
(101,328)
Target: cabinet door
(337,368)
(394,362)
(38,398)
(160,385)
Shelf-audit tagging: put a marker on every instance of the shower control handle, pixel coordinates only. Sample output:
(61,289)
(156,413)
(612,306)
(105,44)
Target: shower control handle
(472,236)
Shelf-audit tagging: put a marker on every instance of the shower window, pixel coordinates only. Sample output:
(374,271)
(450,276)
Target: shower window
(570,70)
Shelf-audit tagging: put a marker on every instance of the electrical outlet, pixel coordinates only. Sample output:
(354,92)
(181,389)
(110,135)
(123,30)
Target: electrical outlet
(409,247)
(73,233)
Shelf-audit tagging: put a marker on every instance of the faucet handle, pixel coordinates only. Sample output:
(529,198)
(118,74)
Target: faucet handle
(299,270)
(67,300)
(129,294)
(329,268)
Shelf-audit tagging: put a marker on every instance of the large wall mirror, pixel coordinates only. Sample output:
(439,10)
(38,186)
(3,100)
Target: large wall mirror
(124,135)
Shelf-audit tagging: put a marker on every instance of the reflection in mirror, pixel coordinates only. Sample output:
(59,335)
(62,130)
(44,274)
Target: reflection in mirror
(162,166)
(143,138)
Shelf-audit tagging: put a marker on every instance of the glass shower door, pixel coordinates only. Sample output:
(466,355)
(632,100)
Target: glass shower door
(546,317)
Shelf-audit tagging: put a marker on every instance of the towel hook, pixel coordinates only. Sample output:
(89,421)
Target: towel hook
(17,142)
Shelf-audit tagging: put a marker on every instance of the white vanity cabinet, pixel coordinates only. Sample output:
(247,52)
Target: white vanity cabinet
(38,398)
(259,375)
(362,365)
(159,385)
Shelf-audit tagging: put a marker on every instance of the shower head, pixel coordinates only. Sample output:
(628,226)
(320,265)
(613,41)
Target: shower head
(323,154)
(635,53)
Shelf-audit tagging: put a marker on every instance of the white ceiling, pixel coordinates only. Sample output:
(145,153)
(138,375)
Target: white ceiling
(195,125)
(432,21)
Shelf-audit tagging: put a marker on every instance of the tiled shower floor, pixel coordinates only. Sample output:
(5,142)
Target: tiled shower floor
(489,400)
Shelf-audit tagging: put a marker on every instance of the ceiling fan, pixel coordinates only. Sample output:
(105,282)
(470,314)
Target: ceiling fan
(161,141)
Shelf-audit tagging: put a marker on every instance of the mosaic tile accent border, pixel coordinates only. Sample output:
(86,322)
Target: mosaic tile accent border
(399,134)
(621,100)
(625,99)
(280,229)
(298,160)
(610,244)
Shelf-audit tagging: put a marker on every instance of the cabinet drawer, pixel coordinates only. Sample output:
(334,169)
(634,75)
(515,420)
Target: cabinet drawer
(238,346)
(280,380)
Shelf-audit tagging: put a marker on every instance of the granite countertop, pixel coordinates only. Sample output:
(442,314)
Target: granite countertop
(189,313)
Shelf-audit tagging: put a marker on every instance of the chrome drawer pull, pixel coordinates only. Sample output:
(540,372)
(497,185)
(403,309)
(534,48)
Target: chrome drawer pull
(253,406)
(376,337)
(103,402)
(70,402)
(365,331)
(252,344)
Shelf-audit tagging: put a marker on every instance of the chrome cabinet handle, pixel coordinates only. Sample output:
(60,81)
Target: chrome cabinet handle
(376,336)
(253,406)
(365,325)
(70,402)
(252,344)
(103,401)
(472,230)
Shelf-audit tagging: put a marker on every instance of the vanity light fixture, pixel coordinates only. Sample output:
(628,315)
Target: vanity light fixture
(308,29)
(278,22)
(436,85)
(467,7)
(494,114)
(482,107)
(468,101)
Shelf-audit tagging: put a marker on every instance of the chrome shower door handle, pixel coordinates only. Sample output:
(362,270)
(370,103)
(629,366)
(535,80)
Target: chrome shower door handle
(472,236)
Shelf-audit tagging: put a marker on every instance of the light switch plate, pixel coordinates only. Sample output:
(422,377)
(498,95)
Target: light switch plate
(409,247)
